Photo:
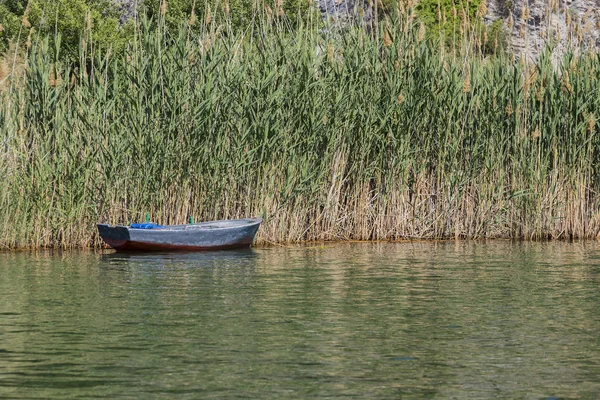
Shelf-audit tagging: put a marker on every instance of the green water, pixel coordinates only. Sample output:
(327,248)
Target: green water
(374,321)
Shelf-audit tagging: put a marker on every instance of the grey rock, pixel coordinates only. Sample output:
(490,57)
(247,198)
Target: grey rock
(344,11)
(127,8)
(534,24)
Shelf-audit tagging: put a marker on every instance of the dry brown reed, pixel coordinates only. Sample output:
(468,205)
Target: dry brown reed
(360,141)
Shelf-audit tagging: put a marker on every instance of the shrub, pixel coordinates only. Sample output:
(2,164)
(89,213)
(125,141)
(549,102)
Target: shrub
(446,16)
(239,12)
(496,39)
(95,20)
(9,22)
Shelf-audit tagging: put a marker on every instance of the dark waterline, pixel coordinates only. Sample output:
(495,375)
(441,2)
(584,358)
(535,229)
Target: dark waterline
(407,320)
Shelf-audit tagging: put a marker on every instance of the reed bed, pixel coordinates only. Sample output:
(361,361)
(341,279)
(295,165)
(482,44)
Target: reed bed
(354,135)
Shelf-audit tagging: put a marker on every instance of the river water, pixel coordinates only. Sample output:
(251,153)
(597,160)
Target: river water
(464,320)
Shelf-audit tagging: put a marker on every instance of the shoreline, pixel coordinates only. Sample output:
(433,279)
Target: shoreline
(306,244)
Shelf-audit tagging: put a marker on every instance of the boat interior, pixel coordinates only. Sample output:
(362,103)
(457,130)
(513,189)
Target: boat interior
(213,224)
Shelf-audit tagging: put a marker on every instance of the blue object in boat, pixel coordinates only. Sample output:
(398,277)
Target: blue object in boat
(147,225)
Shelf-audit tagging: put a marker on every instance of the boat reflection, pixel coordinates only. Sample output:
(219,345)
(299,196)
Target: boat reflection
(242,258)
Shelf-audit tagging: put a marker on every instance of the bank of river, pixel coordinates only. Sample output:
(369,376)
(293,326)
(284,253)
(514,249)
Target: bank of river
(411,320)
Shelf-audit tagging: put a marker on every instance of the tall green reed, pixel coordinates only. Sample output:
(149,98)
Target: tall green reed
(328,135)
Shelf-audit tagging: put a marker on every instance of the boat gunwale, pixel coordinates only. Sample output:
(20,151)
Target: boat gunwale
(182,227)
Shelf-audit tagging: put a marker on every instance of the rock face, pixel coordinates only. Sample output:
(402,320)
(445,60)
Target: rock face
(344,10)
(531,24)
(534,24)
(127,9)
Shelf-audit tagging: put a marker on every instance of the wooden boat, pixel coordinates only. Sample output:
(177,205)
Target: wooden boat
(213,235)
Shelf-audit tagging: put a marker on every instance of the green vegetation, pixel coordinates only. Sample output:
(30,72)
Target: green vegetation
(327,138)
(21,19)
(453,21)
(448,15)
(235,14)
(97,21)
(94,21)
(9,22)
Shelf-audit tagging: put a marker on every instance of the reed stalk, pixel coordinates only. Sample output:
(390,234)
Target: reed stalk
(328,137)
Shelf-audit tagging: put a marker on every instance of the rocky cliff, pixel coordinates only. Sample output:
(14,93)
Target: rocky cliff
(534,24)
(344,10)
(530,24)
(127,8)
